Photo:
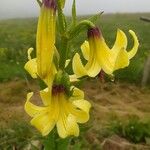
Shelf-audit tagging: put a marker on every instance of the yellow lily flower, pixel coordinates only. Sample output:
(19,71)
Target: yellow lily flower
(59,110)
(31,67)
(45,38)
(42,65)
(100,56)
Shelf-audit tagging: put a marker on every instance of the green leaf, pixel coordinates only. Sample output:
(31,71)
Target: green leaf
(77,146)
(80,27)
(62,144)
(60,20)
(74,15)
(49,142)
(95,17)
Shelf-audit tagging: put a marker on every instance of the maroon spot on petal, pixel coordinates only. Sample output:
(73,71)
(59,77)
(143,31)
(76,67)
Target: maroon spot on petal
(57,89)
(94,32)
(50,4)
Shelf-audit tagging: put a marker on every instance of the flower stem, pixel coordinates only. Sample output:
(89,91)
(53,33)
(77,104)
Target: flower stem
(83,25)
(63,38)
(60,17)
(74,15)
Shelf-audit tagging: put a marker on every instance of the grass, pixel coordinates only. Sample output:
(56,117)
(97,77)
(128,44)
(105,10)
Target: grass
(134,129)
(16,36)
(18,136)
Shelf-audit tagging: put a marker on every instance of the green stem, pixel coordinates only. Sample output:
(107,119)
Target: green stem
(74,15)
(63,52)
(63,48)
(60,17)
(39,2)
(85,24)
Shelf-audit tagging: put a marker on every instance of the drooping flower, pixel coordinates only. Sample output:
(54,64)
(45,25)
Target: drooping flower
(45,40)
(31,67)
(59,110)
(100,56)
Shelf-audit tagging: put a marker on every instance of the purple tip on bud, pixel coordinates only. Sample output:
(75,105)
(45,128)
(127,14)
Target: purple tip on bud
(50,4)
(94,32)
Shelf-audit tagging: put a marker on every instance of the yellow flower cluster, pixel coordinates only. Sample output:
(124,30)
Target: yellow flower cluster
(60,109)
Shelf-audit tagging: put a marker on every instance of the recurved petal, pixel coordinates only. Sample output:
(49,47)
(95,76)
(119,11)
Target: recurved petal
(44,122)
(121,41)
(31,67)
(85,50)
(122,60)
(133,51)
(46,96)
(30,50)
(78,67)
(77,93)
(32,109)
(83,105)
(80,110)
(67,126)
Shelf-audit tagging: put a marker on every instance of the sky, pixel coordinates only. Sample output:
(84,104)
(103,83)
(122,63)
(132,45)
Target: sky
(29,8)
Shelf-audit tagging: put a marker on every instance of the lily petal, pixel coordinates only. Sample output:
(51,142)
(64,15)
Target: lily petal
(31,67)
(104,56)
(72,126)
(32,109)
(85,48)
(30,50)
(77,93)
(133,51)
(45,39)
(122,60)
(44,122)
(46,96)
(121,41)
(92,68)
(82,113)
(78,67)
(67,126)
(50,77)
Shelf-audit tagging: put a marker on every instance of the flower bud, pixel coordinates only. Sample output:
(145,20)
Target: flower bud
(45,38)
